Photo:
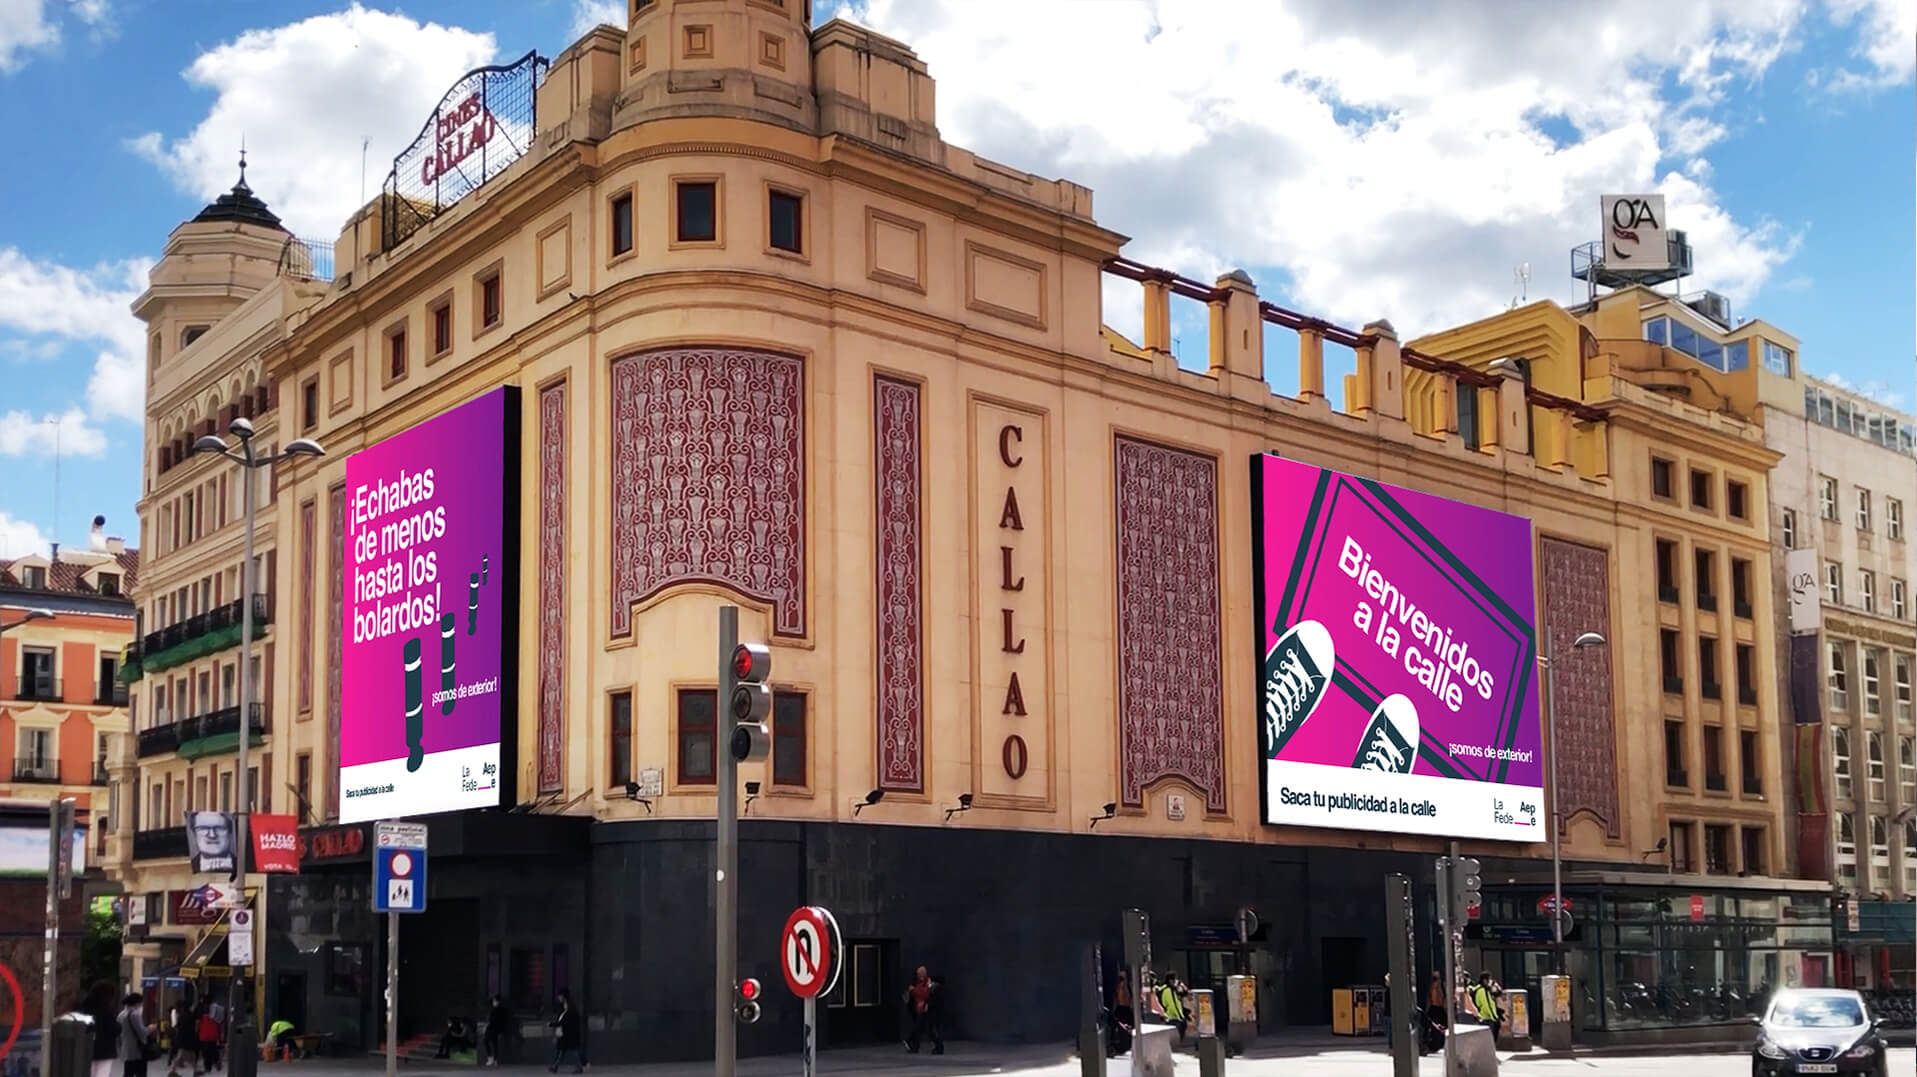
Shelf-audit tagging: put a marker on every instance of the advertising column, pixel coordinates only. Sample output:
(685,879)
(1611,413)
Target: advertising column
(428,663)
(1397,681)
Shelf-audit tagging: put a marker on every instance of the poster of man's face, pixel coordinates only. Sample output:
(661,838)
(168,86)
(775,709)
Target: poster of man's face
(209,842)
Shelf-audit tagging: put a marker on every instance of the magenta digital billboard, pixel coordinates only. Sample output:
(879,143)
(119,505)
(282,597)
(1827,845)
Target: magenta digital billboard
(428,652)
(1397,659)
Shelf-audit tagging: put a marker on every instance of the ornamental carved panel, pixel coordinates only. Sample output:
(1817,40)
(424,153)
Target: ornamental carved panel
(335,630)
(1170,659)
(898,548)
(708,478)
(1575,581)
(552,587)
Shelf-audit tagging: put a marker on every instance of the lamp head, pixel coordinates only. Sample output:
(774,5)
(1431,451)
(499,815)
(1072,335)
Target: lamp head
(209,443)
(39,613)
(240,428)
(1589,639)
(303,447)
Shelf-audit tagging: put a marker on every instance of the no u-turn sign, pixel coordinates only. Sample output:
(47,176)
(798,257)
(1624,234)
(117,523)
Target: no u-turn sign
(810,952)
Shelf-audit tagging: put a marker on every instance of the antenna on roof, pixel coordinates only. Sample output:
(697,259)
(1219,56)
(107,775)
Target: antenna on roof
(1522,276)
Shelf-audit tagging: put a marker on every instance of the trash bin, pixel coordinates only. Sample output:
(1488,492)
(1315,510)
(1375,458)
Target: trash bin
(71,1052)
(242,1048)
(1341,1005)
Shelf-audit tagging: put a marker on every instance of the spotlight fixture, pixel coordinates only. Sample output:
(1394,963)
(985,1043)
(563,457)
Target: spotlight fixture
(752,794)
(871,798)
(1111,810)
(632,793)
(964,804)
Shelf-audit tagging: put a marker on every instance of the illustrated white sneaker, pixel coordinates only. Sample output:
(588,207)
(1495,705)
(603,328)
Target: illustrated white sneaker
(1390,742)
(1298,670)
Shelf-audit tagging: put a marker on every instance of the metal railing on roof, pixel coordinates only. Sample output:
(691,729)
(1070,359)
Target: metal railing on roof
(306,259)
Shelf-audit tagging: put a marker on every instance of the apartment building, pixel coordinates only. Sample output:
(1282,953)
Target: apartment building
(65,618)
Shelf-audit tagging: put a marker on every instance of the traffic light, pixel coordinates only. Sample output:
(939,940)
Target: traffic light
(745,1000)
(1466,888)
(750,701)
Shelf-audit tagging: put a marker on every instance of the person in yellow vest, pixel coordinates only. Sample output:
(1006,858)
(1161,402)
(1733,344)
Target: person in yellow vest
(1171,1003)
(1484,999)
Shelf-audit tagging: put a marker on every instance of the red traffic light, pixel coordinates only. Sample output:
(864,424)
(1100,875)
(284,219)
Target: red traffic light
(749,989)
(751,661)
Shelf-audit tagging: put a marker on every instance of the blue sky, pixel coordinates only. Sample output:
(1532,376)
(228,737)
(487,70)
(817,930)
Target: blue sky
(1398,164)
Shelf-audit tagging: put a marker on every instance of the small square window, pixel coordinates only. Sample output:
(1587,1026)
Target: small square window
(490,300)
(443,328)
(622,224)
(696,211)
(1701,485)
(1737,500)
(1661,477)
(698,737)
(785,215)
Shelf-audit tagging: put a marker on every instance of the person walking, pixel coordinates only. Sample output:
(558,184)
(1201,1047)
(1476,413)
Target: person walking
(136,1039)
(209,1034)
(567,1037)
(498,1021)
(922,1005)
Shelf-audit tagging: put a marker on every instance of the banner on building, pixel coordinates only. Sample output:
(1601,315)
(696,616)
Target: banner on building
(1399,688)
(1800,579)
(276,843)
(209,842)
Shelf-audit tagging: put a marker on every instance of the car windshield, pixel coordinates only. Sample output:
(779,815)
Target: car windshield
(1816,1011)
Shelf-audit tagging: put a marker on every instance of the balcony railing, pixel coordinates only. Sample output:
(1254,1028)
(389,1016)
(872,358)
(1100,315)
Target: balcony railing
(130,668)
(1714,781)
(111,694)
(1677,776)
(161,739)
(163,844)
(201,634)
(37,771)
(35,687)
(99,772)
(1667,593)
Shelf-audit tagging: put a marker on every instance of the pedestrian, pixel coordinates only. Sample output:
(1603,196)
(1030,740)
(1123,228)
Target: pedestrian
(1171,1004)
(568,1035)
(1122,1018)
(136,1039)
(101,1006)
(1484,1000)
(208,1032)
(922,1003)
(498,1021)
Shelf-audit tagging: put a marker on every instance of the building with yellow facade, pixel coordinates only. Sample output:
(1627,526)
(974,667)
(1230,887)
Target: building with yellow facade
(778,345)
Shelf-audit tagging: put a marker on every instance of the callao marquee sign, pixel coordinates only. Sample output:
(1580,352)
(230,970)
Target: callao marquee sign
(483,124)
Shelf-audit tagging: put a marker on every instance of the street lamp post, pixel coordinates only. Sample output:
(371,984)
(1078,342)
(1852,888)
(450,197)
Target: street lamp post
(1587,640)
(250,462)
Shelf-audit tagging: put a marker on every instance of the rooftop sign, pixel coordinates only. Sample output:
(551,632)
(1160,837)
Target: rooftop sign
(482,125)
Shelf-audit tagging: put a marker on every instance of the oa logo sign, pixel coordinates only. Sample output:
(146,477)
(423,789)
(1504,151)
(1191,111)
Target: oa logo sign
(1633,223)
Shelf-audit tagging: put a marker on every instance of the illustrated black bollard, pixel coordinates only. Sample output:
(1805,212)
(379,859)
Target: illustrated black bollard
(415,706)
(446,637)
(472,605)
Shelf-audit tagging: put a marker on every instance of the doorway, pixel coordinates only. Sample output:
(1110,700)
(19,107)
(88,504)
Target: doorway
(863,1007)
(439,957)
(289,999)
(1341,962)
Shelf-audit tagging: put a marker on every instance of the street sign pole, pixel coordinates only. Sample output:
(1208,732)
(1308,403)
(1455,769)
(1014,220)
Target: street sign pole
(59,885)
(392,994)
(811,1035)
(725,885)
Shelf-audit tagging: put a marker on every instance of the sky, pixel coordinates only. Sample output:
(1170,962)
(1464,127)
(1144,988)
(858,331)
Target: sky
(1388,159)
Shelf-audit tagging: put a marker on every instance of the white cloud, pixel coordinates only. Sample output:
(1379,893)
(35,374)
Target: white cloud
(18,538)
(1878,391)
(303,97)
(587,14)
(69,433)
(1886,40)
(1363,173)
(28,26)
(48,309)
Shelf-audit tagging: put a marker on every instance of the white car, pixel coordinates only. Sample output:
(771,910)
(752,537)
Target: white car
(1818,1030)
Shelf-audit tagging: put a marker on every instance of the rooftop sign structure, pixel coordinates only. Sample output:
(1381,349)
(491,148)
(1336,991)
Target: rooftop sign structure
(482,125)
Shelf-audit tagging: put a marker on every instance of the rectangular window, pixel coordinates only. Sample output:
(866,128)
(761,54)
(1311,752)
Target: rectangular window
(1714,758)
(696,211)
(785,218)
(1748,763)
(1874,771)
(1900,667)
(1873,697)
(490,301)
(1674,772)
(1468,417)
(1833,583)
(1863,509)
(1661,477)
(1899,596)
(1667,571)
(1836,679)
(1705,573)
(303,785)
(1669,661)
(1867,590)
(226,790)
(309,404)
(37,681)
(1741,587)
(622,224)
(1701,486)
(443,328)
(396,354)
(698,737)
(1894,518)
(1754,849)
(1906,772)
(1737,500)
(1777,359)
(1681,847)
(789,739)
(36,758)
(1827,497)
(1717,849)
(1708,683)
(1746,675)
(619,738)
